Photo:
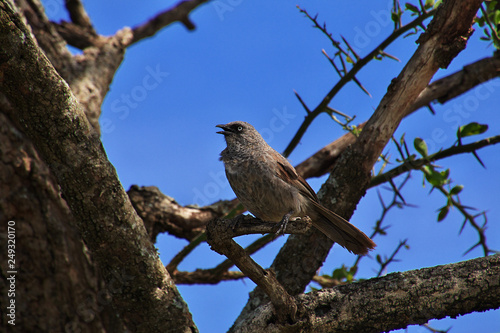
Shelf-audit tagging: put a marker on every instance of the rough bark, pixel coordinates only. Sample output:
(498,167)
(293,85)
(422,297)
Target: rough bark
(52,118)
(58,287)
(391,302)
(162,213)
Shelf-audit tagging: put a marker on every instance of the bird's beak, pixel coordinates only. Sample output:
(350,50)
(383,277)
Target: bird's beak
(226,130)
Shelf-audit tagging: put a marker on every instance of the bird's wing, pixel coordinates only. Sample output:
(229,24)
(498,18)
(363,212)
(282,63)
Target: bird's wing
(287,172)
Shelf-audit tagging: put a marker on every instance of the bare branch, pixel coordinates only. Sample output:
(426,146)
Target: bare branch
(349,76)
(441,90)
(458,83)
(178,13)
(418,163)
(78,36)
(78,15)
(205,276)
(283,303)
(218,273)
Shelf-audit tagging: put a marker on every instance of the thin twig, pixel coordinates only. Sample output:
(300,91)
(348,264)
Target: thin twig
(391,259)
(348,77)
(409,164)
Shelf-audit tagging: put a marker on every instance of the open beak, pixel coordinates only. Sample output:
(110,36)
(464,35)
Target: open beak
(226,130)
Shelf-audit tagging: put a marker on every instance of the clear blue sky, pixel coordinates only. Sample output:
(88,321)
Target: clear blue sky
(242,63)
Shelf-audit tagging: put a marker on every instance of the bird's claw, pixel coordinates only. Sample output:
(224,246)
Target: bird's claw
(283,223)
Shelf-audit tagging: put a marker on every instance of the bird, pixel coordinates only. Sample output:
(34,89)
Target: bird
(270,188)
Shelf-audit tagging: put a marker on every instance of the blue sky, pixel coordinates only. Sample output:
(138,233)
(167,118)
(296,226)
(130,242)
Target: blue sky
(243,62)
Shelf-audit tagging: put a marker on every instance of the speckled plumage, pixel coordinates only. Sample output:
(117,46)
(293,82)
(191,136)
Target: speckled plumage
(270,188)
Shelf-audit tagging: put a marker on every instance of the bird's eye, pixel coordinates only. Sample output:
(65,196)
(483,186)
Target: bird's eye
(240,128)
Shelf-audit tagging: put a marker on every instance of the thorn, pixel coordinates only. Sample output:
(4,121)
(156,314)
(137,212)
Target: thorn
(478,159)
(350,48)
(361,86)
(301,101)
(385,54)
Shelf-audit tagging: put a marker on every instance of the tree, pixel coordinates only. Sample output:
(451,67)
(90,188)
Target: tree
(83,257)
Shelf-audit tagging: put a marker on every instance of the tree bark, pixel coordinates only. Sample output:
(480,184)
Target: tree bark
(50,115)
(391,302)
(58,287)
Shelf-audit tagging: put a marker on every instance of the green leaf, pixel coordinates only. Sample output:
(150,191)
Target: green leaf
(429,4)
(412,8)
(349,59)
(443,212)
(457,189)
(340,273)
(480,21)
(471,129)
(437,178)
(420,146)
(395,17)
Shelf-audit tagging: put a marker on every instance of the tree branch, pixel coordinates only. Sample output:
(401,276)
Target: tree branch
(89,74)
(284,304)
(206,276)
(162,213)
(178,13)
(78,15)
(115,235)
(392,302)
(441,90)
(216,274)
(349,76)
(418,163)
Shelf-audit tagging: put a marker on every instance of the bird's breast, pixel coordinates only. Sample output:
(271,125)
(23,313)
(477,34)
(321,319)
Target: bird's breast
(261,191)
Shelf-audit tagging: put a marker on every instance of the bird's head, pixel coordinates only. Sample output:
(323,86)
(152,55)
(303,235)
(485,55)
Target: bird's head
(240,133)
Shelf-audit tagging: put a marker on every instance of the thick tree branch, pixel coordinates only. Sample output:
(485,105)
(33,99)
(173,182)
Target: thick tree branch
(50,246)
(51,116)
(162,213)
(392,302)
(46,35)
(454,85)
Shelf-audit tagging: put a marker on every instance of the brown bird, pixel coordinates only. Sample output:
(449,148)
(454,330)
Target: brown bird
(269,187)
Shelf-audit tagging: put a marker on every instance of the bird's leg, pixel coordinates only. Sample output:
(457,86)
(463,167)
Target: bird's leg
(283,223)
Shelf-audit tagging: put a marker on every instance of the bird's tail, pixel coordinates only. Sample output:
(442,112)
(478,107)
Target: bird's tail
(340,230)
